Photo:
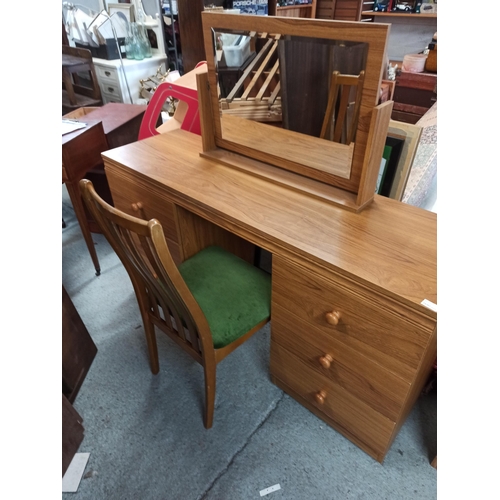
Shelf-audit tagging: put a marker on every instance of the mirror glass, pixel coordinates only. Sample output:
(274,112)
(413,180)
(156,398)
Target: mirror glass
(309,87)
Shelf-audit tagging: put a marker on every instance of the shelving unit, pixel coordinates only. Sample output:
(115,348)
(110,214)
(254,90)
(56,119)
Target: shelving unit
(173,53)
(306,10)
(341,10)
(365,15)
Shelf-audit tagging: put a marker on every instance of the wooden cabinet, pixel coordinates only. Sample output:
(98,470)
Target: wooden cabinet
(341,10)
(307,10)
(352,354)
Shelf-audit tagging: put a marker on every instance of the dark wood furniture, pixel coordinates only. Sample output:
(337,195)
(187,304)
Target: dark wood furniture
(72,433)
(77,91)
(191,33)
(307,10)
(78,352)
(228,77)
(341,10)
(109,126)
(191,30)
(414,95)
(81,152)
(78,349)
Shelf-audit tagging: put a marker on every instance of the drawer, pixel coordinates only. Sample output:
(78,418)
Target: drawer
(370,382)
(347,311)
(106,98)
(351,416)
(107,73)
(111,89)
(139,201)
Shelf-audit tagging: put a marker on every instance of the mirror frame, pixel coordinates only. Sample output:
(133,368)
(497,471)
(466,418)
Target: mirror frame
(375,35)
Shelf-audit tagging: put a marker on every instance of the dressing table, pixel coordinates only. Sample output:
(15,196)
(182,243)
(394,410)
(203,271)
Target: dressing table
(351,339)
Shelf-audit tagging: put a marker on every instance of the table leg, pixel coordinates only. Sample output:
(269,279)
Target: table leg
(76,200)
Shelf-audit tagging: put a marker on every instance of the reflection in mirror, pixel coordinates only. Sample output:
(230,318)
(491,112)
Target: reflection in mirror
(307,85)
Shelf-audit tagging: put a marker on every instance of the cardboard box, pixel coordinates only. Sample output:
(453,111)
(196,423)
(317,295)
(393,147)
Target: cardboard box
(258,7)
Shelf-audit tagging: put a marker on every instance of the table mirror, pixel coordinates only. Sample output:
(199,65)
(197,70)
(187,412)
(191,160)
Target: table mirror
(298,94)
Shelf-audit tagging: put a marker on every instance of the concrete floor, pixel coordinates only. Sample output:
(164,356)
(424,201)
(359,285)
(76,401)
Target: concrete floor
(145,432)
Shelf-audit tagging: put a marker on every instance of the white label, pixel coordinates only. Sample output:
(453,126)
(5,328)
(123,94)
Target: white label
(73,475)
(430,305)
(266,491)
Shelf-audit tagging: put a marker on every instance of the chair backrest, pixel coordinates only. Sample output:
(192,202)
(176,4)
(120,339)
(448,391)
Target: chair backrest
(82,61)
(160,289)
(184,90)
(343,88)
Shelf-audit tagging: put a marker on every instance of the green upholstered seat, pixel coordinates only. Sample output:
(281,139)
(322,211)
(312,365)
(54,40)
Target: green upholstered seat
(234,295)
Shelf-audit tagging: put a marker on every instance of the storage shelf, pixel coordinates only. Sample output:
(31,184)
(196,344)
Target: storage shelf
(398,14)
(298,6)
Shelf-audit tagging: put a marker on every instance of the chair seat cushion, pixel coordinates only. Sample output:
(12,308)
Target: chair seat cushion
(234,295)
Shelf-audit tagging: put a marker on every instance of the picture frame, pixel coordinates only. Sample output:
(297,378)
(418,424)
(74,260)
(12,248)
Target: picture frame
(127,9)
(392,154)
(410,134)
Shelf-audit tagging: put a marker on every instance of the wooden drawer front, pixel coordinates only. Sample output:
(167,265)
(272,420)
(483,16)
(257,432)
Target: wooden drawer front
(128,193)
(351,414)
(107,74)
(365,379)
(381,325)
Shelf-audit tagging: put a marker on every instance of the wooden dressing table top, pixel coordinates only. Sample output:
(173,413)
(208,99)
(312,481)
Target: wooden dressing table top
(389,247)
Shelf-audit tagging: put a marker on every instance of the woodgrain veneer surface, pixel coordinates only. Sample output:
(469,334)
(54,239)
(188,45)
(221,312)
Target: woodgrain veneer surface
(382,325)
(371,427)
(390,247)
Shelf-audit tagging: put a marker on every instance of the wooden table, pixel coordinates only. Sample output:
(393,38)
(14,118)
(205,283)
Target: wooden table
(350,337)
(108,127)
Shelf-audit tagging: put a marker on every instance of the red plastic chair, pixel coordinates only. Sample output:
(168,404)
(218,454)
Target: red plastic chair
(185,93)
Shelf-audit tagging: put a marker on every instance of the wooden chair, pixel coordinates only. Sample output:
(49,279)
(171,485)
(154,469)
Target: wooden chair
(209,305)
(78,92)
(346,116)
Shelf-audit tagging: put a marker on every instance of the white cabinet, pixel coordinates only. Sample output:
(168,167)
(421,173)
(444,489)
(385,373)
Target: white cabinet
(113,78)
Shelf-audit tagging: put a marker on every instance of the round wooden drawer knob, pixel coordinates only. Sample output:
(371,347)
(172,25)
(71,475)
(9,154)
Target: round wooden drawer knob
(332,318)
(137,206)
(320,397)
(325,361)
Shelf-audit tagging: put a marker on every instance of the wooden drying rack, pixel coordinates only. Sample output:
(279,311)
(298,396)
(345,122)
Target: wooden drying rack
(260,100)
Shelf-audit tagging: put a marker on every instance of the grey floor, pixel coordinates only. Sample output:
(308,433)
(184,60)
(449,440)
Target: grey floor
(145,432)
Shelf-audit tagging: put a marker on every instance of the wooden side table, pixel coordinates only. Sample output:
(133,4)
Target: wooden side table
(108,127)
(81,151)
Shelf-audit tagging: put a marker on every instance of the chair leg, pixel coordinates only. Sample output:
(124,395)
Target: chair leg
(210,378)
(149,330)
